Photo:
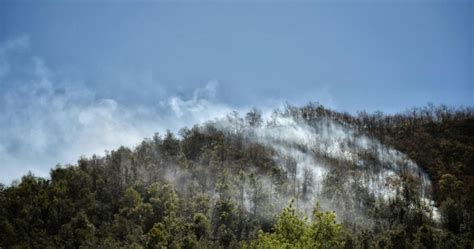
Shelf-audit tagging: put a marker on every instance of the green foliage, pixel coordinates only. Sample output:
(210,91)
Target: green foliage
(294,230)
(200,226)
(217,189)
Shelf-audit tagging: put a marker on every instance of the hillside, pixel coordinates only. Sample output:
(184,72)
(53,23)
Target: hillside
(263,181)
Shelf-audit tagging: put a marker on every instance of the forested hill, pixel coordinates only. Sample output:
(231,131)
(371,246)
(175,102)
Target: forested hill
(301,177)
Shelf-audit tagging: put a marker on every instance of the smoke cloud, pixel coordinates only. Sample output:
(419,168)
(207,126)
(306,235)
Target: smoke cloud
(315,149)
(45,120)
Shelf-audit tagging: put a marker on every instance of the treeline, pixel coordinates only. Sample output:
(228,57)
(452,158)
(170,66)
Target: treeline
(217,188)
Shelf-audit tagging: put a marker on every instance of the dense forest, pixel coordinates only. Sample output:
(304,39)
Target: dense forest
(300,177)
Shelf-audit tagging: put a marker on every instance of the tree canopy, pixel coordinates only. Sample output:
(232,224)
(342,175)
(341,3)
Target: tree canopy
(228,184)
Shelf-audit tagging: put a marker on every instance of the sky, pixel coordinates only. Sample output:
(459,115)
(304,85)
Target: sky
(81,77)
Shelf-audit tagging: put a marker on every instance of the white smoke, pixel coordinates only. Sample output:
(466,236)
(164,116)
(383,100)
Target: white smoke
(46,120)
(310,147)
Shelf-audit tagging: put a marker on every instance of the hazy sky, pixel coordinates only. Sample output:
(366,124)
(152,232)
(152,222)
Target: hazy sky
(78,77)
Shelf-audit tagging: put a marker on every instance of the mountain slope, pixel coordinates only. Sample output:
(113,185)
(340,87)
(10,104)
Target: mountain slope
(394,181)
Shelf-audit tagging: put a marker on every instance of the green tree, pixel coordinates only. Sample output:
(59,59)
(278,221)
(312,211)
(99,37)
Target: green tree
(294,230)
(200,225)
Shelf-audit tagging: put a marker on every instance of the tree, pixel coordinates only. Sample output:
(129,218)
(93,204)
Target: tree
(133,207)
(254,118)
(307,188)
(78,232)
(294,230)
(200,225)
(170,146)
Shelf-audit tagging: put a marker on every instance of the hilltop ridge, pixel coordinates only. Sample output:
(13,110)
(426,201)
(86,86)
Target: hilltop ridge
(394,181)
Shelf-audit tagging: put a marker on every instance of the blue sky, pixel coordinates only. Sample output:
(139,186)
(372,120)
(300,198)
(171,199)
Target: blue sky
(70,69)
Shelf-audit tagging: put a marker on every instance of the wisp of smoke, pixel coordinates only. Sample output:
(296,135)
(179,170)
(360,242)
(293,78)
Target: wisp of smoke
(323,146)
